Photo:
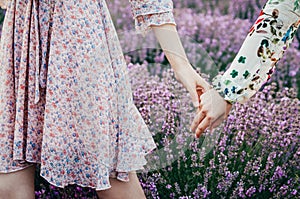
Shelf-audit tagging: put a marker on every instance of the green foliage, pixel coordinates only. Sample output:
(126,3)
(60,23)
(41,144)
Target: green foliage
(1,16)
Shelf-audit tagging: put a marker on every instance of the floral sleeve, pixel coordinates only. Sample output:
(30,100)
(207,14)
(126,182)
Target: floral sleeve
(151,12)
(264,46)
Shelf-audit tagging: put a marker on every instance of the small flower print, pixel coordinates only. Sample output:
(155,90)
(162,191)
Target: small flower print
(246,74)
(242,59)
(234,74)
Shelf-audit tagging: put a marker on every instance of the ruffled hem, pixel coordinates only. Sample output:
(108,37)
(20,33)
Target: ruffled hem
(99,184)
(133,146)
(143,22)
(150,6)
(102,184)
(17,168)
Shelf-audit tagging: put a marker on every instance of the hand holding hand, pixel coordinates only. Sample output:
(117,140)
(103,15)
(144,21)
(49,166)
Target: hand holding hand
(193,82)
(212,111)
(213,108)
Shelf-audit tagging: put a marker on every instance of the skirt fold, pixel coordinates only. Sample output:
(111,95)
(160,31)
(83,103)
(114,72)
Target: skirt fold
(66,101)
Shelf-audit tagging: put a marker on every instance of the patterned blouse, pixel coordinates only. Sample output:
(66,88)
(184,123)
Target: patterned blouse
(264,46)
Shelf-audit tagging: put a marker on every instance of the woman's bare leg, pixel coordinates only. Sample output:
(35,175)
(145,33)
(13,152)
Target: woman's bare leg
(123,190)
(17,185)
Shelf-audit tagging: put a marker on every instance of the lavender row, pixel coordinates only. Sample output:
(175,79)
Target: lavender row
(255,154)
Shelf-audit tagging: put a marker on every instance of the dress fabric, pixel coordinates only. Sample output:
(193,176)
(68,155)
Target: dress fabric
(268,39)
(65,96)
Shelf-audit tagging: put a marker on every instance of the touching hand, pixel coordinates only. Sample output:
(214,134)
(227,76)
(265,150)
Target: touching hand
(193,82)
(213,109)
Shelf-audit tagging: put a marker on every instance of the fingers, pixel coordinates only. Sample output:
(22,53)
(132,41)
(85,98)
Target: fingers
(200,91)
(206,122)
(196,96)
(217,122)
(212,111)
(198,119)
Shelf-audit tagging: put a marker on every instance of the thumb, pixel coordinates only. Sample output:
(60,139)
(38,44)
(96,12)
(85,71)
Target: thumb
(195,95)
(199,91)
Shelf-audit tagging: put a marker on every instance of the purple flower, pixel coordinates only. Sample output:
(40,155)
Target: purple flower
(169,186)
(250,191)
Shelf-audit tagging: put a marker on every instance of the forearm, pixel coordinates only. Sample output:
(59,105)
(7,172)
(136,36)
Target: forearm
(158,16)
(169,41)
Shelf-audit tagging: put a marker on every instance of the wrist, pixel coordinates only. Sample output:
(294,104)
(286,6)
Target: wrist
(206,86)
(222,95)
(178,63)
(182,68)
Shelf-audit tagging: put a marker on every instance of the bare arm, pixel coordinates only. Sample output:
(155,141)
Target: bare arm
(158,16)
(169,40)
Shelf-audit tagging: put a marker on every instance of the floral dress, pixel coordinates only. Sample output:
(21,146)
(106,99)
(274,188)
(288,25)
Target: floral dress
(65,96)
(264,46)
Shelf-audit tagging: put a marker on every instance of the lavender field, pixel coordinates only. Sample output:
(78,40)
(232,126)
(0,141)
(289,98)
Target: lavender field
(254,154)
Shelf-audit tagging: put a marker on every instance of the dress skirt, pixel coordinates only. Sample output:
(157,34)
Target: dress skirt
(65,97)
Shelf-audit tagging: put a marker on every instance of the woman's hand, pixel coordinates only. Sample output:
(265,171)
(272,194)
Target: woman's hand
(169,40)
(212,111)
(192,81)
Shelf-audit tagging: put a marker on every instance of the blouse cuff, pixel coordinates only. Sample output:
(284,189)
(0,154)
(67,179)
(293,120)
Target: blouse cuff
(219,84)
(143,22)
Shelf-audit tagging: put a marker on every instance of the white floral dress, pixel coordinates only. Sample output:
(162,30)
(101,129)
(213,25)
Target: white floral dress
(264,46)
(65,97)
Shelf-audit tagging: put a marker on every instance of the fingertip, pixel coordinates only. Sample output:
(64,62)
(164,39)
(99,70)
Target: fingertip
(192,129)
(197,134)
(198,109)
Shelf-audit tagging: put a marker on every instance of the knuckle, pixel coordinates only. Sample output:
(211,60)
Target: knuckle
(210,118)
(199,129)
(201,105)
(204,111)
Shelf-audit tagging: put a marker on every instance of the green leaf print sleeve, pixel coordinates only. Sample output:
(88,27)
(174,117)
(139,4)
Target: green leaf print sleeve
(264,46)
